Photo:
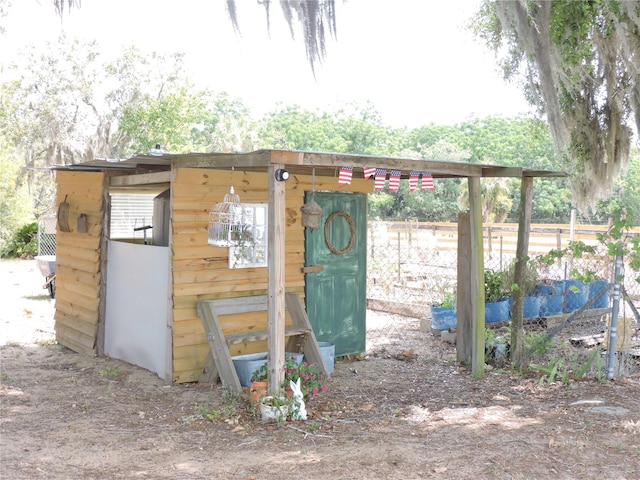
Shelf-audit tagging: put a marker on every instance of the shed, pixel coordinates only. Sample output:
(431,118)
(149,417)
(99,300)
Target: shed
(136,298)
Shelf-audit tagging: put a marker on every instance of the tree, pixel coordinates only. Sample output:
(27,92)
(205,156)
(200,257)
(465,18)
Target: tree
(316,17)
(578,63)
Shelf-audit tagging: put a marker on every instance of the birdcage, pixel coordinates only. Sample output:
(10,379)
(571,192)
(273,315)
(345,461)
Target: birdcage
(229,222)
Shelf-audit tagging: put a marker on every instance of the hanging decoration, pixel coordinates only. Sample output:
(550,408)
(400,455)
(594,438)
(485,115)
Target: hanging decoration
(381,177)
(427,181)
(413,180)
(352,233)
(369,172)
(344,178)
(229,223)
(394,180)
(311,211)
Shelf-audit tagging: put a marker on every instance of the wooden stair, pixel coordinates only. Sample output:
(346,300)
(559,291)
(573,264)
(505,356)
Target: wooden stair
(300,336)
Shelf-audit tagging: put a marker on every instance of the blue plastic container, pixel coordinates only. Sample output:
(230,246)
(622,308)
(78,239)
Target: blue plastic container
(443,318)
(577,294)
(594,288)
(496,311)
(551,298)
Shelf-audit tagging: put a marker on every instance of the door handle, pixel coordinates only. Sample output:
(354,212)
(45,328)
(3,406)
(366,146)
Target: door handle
(312,269)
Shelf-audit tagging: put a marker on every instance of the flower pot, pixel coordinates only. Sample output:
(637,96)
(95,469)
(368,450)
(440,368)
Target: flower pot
(603,300)
(496,311)
(531,307)
(576,293)
(273,413)
(551,299)
(257,391)
(443,318)
(328,351)
(247,364)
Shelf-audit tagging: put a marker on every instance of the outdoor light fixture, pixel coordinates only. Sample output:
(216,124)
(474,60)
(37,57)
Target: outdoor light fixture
(282,175)
(157,151)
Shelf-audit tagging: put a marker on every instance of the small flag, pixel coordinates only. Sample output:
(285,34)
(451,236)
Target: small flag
(381,177)
(345,175)
(369,172)
(427,181)
(394,179)
(413,180)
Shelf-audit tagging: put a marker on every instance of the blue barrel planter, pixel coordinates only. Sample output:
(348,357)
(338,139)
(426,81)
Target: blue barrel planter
(531,307)
(551,298)
(603,300)
(577,295)
(443,318)
(496,311)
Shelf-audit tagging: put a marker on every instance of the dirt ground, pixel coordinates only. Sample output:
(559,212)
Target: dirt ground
(67,416)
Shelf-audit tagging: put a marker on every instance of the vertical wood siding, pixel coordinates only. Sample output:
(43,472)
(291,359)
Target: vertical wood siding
(78,261)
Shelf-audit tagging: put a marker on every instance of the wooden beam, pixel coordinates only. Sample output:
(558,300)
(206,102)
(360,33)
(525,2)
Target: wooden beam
(522,249)
(477,278)
(105,233)
(437,168)
(276,284)
(464,330)
(140,179)
(260,158)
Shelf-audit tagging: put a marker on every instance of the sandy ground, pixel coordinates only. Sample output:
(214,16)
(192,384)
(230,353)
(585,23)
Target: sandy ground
(386,416)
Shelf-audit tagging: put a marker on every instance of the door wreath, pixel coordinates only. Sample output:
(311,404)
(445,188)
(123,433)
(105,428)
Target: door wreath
(352,229)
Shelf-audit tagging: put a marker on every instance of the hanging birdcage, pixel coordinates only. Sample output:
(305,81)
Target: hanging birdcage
(229,223)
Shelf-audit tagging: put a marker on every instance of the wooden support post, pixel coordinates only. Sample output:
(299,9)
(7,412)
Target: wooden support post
(476,278)
(522,249)
(464,329)
(276,262)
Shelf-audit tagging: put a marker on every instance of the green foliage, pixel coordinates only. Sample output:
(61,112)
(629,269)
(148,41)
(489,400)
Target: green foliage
(493,286)
(448,300)
(23,244)
(530,280)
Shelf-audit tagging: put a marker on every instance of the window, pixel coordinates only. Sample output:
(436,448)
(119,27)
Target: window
(252,250)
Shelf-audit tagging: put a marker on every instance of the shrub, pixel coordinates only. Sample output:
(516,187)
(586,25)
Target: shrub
(23,244)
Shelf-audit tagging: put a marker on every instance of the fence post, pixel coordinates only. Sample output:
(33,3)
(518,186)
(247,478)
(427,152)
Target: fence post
(399,261)
(489,234)
(501,250)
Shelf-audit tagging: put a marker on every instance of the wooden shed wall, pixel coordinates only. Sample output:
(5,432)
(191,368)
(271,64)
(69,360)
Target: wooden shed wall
(200,271)
(78,261)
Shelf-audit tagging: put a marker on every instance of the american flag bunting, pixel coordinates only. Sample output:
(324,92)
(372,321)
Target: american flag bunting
(394,179)
(427,181)
(381,177)
(413,180)
(369,172)
(345,175)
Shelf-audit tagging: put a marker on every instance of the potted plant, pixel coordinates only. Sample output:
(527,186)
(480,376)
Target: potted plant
(275,408)
(496,307)
(443,312)
(258,388)
(528,286)
(312,382)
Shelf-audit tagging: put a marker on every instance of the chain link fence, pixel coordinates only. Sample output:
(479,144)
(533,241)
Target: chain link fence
(412,266)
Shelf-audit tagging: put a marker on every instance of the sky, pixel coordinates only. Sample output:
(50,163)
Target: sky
(412,59)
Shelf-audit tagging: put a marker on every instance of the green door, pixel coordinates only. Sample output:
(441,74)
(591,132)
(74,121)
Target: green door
(336,295)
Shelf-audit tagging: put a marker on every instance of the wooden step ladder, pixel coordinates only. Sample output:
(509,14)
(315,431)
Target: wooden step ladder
(299,336)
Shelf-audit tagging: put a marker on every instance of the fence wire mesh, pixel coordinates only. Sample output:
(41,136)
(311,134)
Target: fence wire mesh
(412,266)
(47,235)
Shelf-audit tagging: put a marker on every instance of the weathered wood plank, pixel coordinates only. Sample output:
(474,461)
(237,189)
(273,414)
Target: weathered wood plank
(218,348)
